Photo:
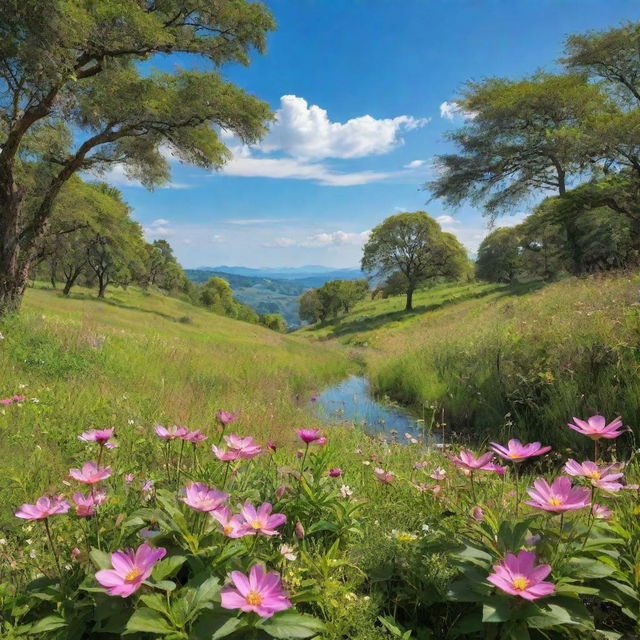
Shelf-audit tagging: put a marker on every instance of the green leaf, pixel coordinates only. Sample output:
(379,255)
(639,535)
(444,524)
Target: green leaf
(149,621)
(101,559)
(206,593)
(155,601)
(561,610)
(290,624)
(588,568)
(48,623)
(167,567)
(496,610)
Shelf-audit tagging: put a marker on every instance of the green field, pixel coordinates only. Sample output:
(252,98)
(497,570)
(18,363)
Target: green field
(501,360)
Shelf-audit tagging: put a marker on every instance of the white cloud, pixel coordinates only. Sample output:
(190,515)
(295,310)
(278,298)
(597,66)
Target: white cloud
(305,131)
(160,222)
(449,110)
(414,164)
(245,165)
(445,219)
(217,238)
(322,239)
(117,176)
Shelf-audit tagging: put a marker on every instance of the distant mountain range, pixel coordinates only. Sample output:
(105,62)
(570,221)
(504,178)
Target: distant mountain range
(274,290)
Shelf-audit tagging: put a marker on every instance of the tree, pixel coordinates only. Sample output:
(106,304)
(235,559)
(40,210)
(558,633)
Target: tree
(162,267)
(520,136)
(500,256)
(414,245)
(73,98)
(310,307)
(274,321)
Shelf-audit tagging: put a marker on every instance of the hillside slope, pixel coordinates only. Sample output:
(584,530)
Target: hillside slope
(512,359)
(139,359)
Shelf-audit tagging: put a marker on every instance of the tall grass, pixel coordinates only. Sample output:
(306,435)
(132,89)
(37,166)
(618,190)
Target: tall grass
(132,361)
(501,361)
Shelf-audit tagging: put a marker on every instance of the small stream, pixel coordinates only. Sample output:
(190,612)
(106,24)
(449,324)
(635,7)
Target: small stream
(351,402)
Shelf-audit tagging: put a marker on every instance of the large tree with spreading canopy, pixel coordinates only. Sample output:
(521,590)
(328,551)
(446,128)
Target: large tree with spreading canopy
(74,98)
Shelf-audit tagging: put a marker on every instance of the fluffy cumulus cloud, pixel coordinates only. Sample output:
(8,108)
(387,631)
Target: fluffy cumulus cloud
(158,229)
(303,139)
(305,131)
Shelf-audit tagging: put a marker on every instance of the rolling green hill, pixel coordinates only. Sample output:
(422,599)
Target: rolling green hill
(500,359)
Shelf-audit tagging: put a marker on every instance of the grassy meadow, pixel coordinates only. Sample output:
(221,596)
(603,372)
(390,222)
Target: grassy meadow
(498,360)
(382,539)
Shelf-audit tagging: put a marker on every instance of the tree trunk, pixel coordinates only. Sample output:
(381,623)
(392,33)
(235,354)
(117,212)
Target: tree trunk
(102,286)
(13,275)
(52,275)
(409,305)
(71,280)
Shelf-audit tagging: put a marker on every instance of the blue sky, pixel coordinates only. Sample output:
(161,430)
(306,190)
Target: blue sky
(361,89)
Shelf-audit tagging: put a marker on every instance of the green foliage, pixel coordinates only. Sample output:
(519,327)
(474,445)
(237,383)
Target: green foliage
(413,245)
(331,299)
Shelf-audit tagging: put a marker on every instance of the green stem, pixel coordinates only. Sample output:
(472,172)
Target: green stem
(226,472)
(52,546)
(179,464)
(515,472)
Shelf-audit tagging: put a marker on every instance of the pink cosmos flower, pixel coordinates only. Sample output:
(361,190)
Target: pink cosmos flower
(90,473)
(600,512)
(6,402)
(224,455)
(19,398)
(232,525)
(128,478)
(247,447)
(309,436)
(386,477)
(495,468)
(202,498)
(226,417)
(321,441)
(171,433)
(477,514)
(261,520)
(558,497)
(259,593)
(517,576)
(86,505)
(596,427)
(599,476)
(466,460)
(438,474)
(99,436)
(75,553)
(147,486)
(43,508)
(130,569)
(335,473)
(516,451)
(272,446)
(195,436)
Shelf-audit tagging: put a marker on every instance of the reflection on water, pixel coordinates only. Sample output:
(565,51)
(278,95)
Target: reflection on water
(350,402)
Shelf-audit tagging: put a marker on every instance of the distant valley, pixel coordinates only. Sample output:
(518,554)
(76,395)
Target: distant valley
(274,290)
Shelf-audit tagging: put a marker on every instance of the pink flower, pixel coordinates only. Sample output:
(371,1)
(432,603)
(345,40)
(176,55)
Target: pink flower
(466,460)
(130,569)
(299,529)
(495,468)
(386,477)
(232,525)
(86,505)
(75,553)
(261,520)
(309,436)
(477,514)
(128,478)
(272,446)
(171,433)
(558,497)
(335,473)
(226,417)
(6,402)
(600,512)
(19,398)
(599,476)
(518,576)
(147,486)
(438,474)
(247,447)
(259,593)
(321,441)
(200,497)
(43,508)
(195,436)
(99,436)
(516,451)
(90,473)
(596,427)
(224,455)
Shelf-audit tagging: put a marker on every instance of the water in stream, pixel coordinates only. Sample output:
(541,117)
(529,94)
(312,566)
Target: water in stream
(351,402)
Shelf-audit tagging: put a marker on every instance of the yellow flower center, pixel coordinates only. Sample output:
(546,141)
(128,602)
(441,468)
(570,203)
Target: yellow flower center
(594,475)
(227,530)
(555,501)
(514,455)
(133,574)
(254,598)
(257,524)
(520,583)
